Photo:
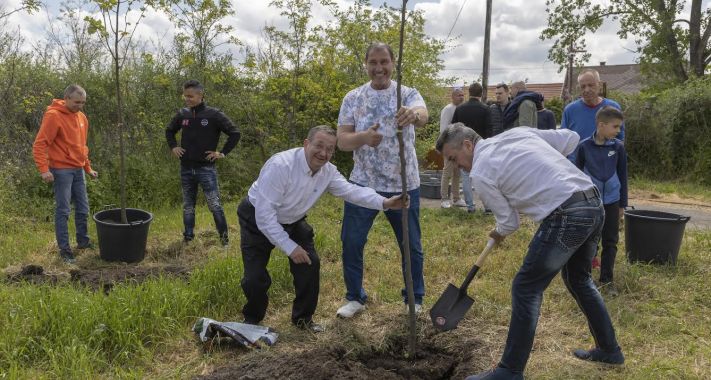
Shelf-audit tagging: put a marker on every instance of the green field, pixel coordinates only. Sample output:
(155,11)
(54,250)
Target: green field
(65,330)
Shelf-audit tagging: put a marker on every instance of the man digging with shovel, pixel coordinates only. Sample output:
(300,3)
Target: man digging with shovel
(525,170)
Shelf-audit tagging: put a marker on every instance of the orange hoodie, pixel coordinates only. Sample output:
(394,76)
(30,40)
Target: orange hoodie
(61,140)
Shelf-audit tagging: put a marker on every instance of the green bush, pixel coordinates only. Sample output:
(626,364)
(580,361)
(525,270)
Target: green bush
(556,105)
(668,134)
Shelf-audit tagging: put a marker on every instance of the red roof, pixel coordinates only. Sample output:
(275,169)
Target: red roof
(623,78)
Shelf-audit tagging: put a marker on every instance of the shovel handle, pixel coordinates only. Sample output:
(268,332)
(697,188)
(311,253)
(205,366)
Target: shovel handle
(479,262)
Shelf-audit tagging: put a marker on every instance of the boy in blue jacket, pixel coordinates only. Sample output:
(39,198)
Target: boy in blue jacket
(602,157)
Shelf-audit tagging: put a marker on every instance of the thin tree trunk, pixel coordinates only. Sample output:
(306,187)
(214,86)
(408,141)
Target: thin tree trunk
(405,216)
(119,112)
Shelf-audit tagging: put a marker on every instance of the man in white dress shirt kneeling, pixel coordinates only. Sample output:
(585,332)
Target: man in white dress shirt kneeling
(274,215)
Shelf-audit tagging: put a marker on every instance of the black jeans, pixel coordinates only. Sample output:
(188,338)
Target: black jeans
(256,250)
(610,237)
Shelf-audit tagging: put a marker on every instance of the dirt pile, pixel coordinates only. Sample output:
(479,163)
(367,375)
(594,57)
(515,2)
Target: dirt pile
(337,362)
(96,279)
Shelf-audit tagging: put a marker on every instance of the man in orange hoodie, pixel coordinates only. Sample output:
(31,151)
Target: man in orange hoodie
(62,158)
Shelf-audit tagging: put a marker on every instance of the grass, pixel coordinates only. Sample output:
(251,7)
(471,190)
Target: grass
(679,188)
(143,330)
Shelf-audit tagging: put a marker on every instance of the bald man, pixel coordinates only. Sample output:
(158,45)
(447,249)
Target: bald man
(523,109)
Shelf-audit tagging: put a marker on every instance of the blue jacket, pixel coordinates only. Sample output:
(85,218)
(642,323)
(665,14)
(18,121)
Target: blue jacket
(606,165)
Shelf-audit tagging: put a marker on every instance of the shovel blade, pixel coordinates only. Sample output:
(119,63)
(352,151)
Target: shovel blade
(450,308)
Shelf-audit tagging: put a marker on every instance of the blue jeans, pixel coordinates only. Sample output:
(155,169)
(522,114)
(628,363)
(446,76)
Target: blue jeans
(70,187)
(565,241)
(357,222)
(467,189)
(206,177)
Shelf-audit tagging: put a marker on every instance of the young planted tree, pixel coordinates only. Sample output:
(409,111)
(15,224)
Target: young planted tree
(116,28)
(412,318)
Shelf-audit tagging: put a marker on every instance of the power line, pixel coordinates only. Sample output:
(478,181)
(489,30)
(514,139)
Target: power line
(500,69)
(455,20)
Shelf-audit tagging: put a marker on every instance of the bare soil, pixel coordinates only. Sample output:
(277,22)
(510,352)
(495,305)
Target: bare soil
(432,361)
(96,279)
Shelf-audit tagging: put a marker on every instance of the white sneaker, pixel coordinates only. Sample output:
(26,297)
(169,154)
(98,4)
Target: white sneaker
(460,203)
(446,204)
(350,309)
(418,308)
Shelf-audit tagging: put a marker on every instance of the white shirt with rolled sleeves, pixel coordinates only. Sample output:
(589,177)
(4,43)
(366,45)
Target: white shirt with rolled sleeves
(525,170)
(286,189)
(379,167)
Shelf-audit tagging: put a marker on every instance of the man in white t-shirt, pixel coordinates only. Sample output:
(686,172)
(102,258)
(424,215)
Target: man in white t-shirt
(524,170)
(368,125)
(274,214)
(450,171)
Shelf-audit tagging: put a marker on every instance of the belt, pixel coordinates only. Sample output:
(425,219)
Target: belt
(582,195)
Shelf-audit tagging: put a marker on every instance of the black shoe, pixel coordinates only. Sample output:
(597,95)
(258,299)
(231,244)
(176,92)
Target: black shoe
(250,322)
(600,356)
(67,256)
(225,241)
(609,289)
(87,245)
(187,240)
(310,326)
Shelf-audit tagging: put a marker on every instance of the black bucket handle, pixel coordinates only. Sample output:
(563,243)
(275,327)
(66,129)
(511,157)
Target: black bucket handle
(679,218)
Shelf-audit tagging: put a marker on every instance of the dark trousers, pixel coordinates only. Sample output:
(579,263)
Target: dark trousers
(256,250)
(610,236)
(565,242)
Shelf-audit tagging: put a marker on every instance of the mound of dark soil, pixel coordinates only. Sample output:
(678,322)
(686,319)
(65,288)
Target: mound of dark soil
(335,362)
(97,279)
(33,274)
(106,278)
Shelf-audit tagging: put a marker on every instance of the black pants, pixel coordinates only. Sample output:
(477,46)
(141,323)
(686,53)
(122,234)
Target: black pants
(256,250)
(609,237)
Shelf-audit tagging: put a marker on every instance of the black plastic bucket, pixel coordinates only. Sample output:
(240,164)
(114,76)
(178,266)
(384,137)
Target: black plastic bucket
(653,236)
(122,242)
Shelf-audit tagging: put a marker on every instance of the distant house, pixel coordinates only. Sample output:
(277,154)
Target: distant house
(622,78)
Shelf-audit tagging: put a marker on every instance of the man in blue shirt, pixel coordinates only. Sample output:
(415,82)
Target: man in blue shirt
(579,116)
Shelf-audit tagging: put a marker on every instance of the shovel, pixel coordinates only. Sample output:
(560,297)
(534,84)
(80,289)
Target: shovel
(454,303)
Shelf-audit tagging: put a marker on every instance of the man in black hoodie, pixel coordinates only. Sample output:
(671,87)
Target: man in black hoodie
(201,127)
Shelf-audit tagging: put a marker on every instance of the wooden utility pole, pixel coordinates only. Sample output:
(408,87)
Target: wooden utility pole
(487,38)
(405,218)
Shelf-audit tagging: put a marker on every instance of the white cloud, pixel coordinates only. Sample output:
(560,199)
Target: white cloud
(516,50)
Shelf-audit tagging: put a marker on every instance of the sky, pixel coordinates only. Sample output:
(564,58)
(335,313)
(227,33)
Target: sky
(516,51)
